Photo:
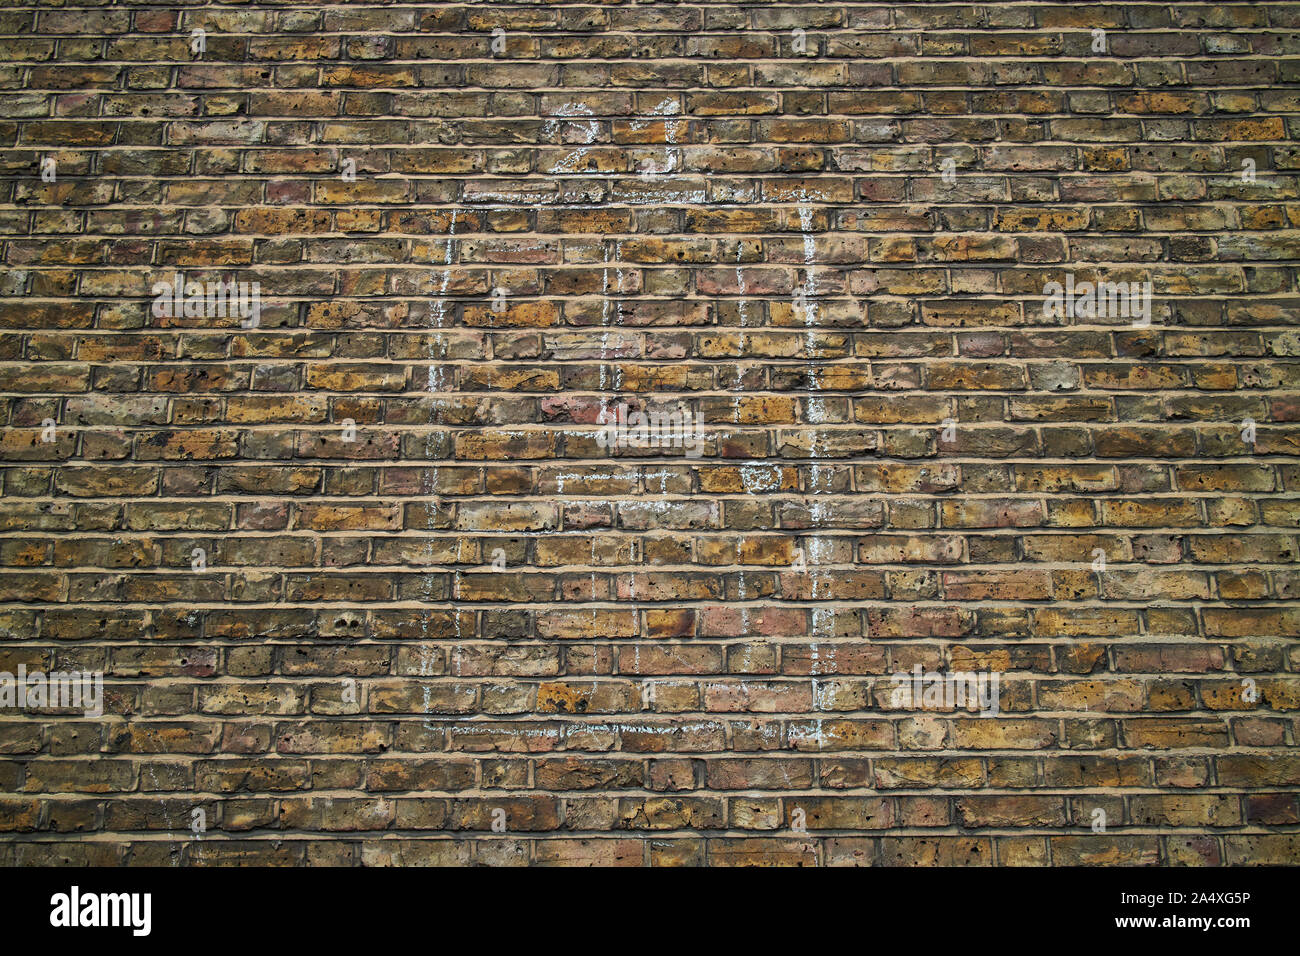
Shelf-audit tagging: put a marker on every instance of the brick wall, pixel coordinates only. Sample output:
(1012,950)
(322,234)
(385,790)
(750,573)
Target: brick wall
(647,415)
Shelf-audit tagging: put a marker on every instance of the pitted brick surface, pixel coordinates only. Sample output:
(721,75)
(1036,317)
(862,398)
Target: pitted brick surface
(365,587)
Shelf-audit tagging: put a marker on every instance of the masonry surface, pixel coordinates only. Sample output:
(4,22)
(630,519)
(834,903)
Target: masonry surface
(364,583)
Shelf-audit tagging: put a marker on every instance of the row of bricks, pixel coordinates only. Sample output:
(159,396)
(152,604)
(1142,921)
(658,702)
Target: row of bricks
(843,512)
(113,427)
(580,198)
(380,585)
(276,221)
(1063,163)
(590,110)
(687,382)
(233,774)
(912,620)
(127,415)
(1272,128)
(536,814)
(583,17)
(384,443)
(632,281)
(761,693)
(926,850)
(931,738)
(624,478)
(575,366)
(916,27)
(832,651)
(980,210)
(674,72)
(609,550)
(884,286)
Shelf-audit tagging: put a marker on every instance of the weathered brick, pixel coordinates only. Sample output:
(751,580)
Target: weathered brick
(368,563)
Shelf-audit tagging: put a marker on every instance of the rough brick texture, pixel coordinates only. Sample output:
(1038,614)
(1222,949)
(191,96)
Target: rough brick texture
(364,586)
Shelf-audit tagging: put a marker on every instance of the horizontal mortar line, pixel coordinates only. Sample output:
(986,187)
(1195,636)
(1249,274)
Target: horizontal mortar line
(904,143)
(1169,267)
(453,535)
(655,401)
(629,264)
(987,87)
(716,717)
(866,458)
(549,147)
(831,643)
(676,679)
(786,752)
(609,604)
(450,536)
(717,205)
(452,334)
(717,427)
(435,719)
(809,4)
(121,54)
(467,4)
(991,30)
(520,240)
(648,834)
(738,113)
(1153,499)
(314,498)
(1163,499)
(663,326)
(684,237)
(1134,176)
(629,759)
(706,427)
(759,34)
(1222,140)
(128,799)
(789,234)
(878,682)
(484,567)
(310,497)
(1019,676)
(976,173)
(635,793)
(976,170)
(389,499)
(824,462)
(866,363)
(990,641)
(814,568)
(1162,266)
(591,343)
(341,61)
(637,722)
(915,209)
(698,62)
(648,119)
